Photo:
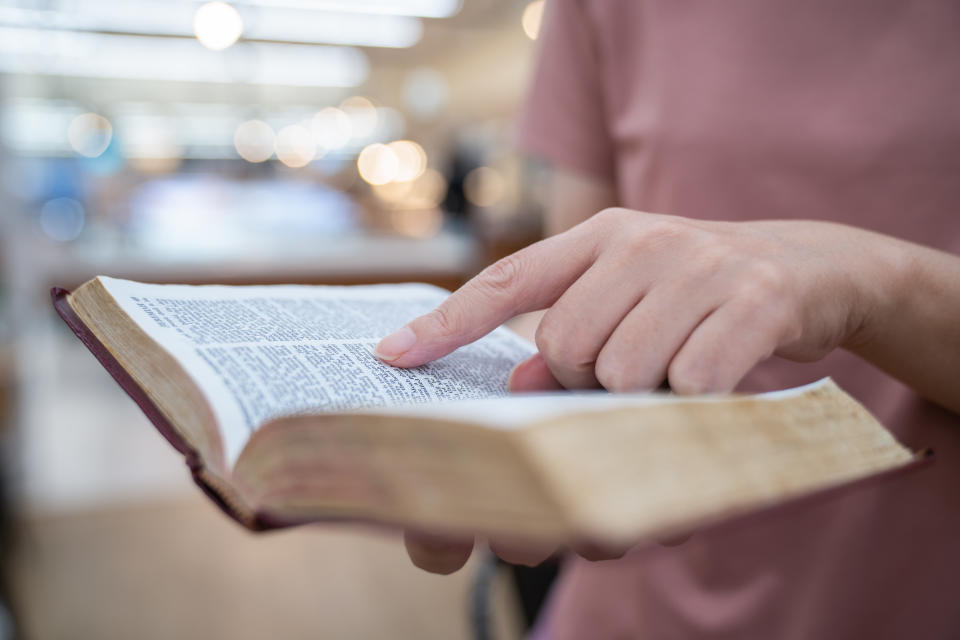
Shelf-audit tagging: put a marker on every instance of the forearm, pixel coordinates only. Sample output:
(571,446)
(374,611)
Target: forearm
(912,325)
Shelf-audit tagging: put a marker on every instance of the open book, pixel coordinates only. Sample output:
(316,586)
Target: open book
(285,417)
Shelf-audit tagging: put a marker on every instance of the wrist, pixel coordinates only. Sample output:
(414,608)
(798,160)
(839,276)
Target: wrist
(886,278)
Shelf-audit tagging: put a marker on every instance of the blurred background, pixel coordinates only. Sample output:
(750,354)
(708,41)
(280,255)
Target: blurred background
(256,141)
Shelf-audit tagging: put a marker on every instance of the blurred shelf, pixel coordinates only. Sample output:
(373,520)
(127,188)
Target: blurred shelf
(446,259)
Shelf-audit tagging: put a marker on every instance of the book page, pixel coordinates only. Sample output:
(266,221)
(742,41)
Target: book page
(260,352)
(520,410)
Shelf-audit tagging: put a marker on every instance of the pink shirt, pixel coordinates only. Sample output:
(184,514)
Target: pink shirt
(844,110)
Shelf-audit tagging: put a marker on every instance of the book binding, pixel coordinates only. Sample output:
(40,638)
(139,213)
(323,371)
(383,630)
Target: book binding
(258,522)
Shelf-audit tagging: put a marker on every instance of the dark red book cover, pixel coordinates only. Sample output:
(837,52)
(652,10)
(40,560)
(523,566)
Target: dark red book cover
(128,384)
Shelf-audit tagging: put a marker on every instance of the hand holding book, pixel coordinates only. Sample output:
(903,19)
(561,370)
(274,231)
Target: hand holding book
(634,299)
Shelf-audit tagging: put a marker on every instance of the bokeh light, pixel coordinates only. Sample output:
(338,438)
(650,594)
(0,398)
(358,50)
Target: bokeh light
(532,18)
(151,145)
(484,187)
(426,192)
(90,134)
(417,223)
(378,164)
(393,193)
(411,159)
(331,129)
(362,114)
(217,25)
(429,190)
(254,141)
(295,146)
(62,219)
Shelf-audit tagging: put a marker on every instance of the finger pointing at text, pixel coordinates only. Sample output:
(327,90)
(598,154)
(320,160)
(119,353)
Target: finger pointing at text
(531,279)
(634,299)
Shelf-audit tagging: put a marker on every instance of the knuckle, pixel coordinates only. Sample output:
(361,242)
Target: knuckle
(688,376)
(752,295)
(611,216)
(549,339)
(658,233)
(665,229)
(612,374)
(712,256)
(561,347)
(443,321)
(501,276)
(767,293)
(767,279)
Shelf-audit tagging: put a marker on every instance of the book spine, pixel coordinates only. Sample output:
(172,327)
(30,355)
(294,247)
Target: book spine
(204,479)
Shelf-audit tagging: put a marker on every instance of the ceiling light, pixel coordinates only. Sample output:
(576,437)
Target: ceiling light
(422,8)
(98,55)
(217,25)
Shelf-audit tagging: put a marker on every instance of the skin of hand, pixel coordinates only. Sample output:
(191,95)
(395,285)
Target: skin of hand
(635,298)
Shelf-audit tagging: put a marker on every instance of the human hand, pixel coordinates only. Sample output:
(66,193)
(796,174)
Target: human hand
(444,554)
(634,299)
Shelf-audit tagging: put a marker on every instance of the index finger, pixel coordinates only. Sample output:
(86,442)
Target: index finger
(530,279)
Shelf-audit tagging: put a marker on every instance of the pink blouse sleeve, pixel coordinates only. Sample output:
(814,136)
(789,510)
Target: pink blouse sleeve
(563,120)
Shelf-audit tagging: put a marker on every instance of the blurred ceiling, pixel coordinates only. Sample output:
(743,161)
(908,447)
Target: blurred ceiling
(138,63)
(45,57)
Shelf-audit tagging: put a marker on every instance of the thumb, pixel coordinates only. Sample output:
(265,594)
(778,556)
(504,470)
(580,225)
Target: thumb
(532,375)
(437,554)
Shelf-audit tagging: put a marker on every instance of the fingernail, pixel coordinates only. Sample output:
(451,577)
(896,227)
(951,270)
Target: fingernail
(395,345)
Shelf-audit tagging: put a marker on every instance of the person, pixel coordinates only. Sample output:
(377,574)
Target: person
(755,195)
